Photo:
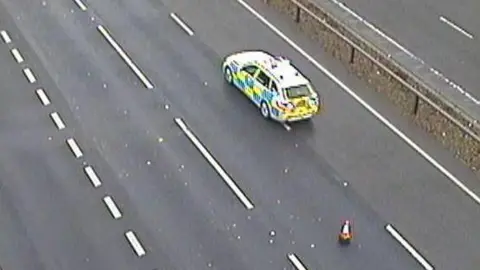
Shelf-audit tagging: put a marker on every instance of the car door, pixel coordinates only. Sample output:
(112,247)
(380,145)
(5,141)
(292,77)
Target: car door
(244,78)
(271,95)
(260,86)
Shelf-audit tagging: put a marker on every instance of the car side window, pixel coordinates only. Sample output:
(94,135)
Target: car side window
(263,79)
(273,87)
(250,70)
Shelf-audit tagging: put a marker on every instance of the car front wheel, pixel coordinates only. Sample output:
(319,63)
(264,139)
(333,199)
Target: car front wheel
(228,75)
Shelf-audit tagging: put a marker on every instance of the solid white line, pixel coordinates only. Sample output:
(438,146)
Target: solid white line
(375,29)
(29,74)
(16,54)
(43,97)
(125,57)
(135,244)
(362,102)
(296,262)
(81,5)
(112,207)
(74,147)
(182,24)
(408,247)
(57,120)
(6,38)
(92,176)
(391,40)
(231,184)
(456,27)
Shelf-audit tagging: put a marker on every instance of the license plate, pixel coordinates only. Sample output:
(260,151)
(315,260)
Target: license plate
(301,103)
(300,117)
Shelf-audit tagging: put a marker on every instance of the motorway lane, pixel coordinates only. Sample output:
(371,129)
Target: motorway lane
(51,218)
(168,218)
(186,216)
(14,242)
(203,110)
(417,26)
(402,186)
(165,59)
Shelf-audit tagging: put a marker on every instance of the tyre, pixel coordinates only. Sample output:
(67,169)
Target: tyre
(228,75)
(265,110)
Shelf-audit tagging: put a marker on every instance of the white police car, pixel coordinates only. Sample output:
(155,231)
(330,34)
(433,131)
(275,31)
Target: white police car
(272,83)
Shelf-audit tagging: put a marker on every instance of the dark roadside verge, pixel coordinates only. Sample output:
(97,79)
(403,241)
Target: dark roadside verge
(428,100)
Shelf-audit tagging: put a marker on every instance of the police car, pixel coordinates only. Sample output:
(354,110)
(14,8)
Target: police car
(273,84)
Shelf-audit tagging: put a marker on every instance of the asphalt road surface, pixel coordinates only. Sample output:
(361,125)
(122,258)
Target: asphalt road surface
(49,219)
(302,182)
(445,34)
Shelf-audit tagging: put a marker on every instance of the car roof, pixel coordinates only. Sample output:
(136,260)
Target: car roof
(281,69)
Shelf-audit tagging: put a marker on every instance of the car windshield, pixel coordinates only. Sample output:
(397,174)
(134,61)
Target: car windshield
(297,91)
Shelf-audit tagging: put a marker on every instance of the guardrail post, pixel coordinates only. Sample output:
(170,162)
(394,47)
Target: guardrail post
(352,55)
(415,106)
(297,14)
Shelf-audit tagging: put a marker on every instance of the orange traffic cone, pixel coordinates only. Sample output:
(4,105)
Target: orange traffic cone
(346,233)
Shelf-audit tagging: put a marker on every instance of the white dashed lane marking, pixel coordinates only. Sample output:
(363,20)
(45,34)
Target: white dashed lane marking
(135,244)
(43,97)
(395,234)
(6,38)
(112,207)
(17,55)
(74,147)
(206,154)
(456,27)
(81,5)
(29,74)
(182,24)
(364,104)
(57,120)
(92,176)
(125,57)
(287,127)
(296,262)
(391,40)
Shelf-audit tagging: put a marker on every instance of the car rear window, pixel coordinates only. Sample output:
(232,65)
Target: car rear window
(297,91)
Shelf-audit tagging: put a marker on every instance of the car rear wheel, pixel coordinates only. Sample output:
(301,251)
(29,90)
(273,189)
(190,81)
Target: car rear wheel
(227,73)
(265,110)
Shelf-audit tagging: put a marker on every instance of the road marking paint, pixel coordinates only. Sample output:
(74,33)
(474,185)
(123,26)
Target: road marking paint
(456,27)
(81,5)
(226,178)
(112,207)
(29,74)
(16,54)
(364,104)
(92,176)
(450,82)
(182,24)
(135,244)
(6,38)
(57,120)
(43,97)
(375,29)
(74,147)
(296,262)
(393,232)
(125,57)
(287,127)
